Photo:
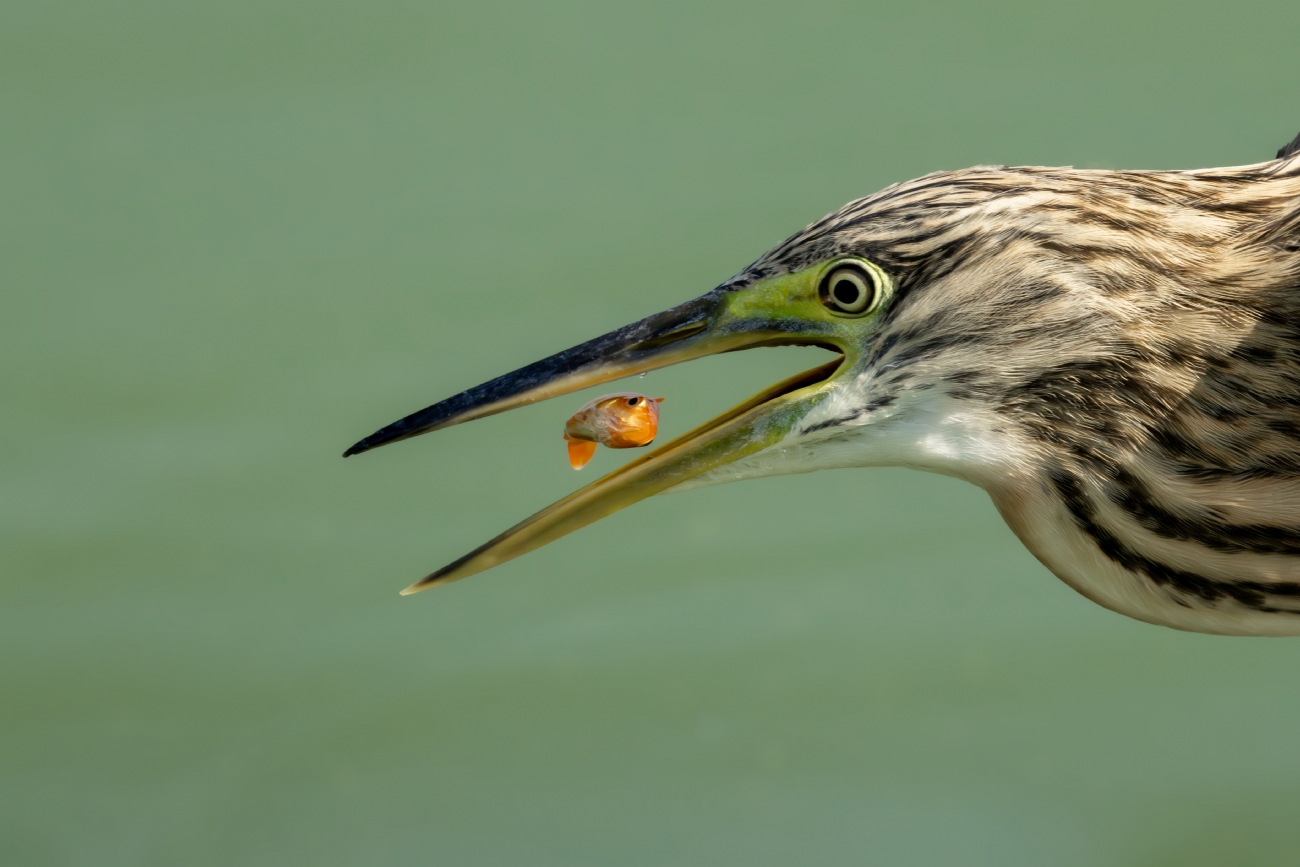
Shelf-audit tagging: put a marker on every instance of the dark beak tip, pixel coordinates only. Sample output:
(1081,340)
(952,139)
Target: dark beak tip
(374,441)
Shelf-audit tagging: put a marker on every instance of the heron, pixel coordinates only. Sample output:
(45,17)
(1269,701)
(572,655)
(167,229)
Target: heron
(1113,356)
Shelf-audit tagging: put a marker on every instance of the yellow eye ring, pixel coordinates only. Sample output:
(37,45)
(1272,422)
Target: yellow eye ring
(852,288)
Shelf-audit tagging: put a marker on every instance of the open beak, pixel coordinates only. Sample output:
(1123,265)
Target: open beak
(704,326)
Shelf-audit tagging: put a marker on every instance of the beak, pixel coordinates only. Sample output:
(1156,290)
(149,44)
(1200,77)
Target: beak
(704,326)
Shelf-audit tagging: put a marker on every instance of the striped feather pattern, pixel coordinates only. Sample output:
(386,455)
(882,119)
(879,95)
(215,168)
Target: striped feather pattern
(1123,347)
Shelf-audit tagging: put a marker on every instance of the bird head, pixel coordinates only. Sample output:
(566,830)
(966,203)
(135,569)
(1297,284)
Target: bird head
(972,314)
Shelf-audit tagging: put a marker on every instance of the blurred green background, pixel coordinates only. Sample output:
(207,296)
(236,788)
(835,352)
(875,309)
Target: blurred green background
(238,236)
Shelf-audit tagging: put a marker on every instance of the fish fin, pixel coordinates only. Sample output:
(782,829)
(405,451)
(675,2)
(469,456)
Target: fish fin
(659,400)
(580,452)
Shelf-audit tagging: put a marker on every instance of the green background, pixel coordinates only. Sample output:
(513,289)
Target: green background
(237,236)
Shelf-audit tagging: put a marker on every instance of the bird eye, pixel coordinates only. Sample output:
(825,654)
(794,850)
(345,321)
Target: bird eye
(851,289)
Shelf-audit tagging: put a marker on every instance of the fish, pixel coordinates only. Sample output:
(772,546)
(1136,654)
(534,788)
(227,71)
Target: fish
(626,420)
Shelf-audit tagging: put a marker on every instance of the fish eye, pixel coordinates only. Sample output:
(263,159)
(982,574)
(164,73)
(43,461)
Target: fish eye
(633,401)
(852,288)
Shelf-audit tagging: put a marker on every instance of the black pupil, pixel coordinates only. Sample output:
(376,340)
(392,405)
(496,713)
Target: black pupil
(632,401)
(846,292)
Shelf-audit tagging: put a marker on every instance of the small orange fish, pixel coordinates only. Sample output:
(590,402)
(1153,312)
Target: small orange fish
(626,420)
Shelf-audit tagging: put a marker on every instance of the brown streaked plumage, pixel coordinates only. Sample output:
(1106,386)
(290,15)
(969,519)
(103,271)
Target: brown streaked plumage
(1113,355)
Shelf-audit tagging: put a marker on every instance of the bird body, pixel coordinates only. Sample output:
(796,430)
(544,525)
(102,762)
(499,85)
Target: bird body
(1114,356)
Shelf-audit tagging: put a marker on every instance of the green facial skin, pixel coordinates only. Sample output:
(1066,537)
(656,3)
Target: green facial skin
(795,298)
(771,306)
(786,299)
